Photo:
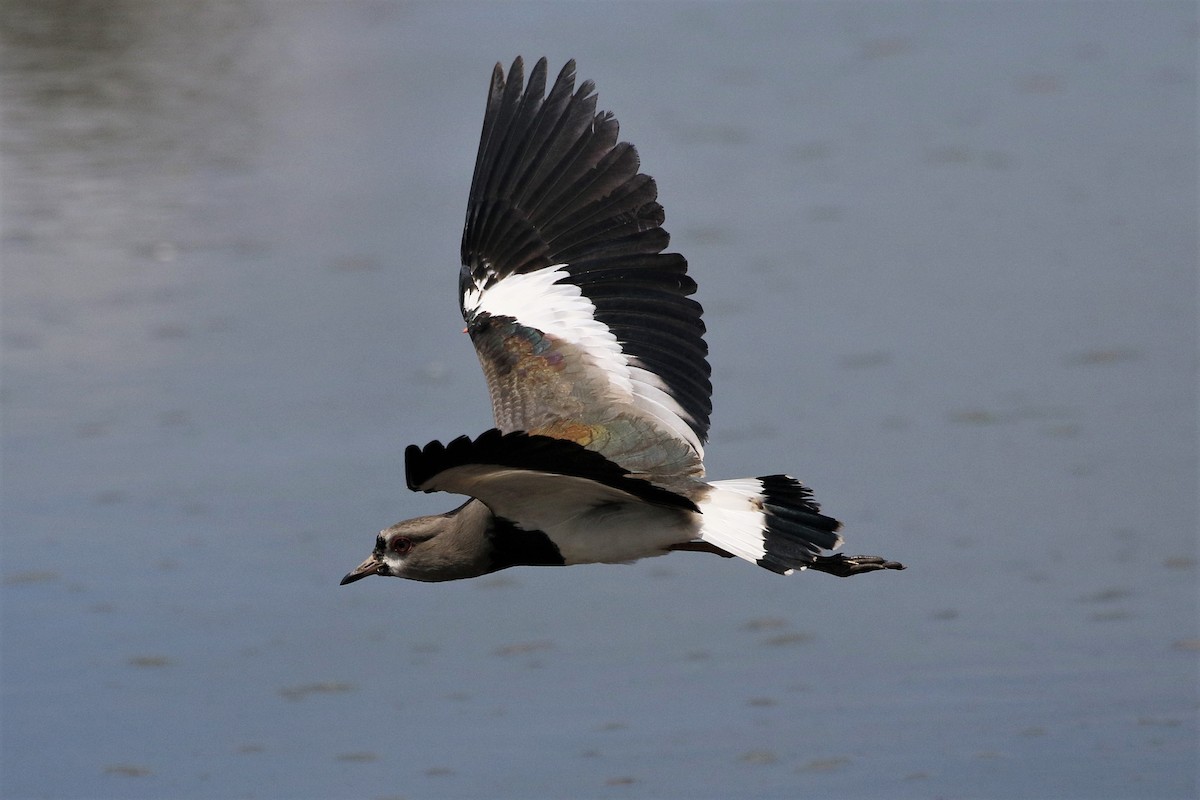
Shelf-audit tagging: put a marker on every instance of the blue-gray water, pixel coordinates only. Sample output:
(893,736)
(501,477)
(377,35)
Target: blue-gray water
(948,255)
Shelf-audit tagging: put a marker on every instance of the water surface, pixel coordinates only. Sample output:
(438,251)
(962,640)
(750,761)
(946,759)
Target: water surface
(948,256)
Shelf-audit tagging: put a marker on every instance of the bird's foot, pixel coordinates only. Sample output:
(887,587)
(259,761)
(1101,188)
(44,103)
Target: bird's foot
(700,547)
(845,566)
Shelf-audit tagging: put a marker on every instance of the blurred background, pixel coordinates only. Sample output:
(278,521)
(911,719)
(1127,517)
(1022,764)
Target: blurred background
(948,256)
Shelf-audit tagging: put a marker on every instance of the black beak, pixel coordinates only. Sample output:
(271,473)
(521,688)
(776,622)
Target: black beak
(372,566)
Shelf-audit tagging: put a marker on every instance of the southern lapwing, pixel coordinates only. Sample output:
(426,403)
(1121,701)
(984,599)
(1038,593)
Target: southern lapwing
(595,358)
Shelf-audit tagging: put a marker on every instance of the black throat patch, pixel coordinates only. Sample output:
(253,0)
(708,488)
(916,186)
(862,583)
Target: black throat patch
(516,547)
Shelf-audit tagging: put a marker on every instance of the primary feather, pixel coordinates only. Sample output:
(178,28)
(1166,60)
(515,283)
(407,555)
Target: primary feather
(583,326)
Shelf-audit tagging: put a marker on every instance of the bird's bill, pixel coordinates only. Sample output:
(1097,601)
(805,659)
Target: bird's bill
(369,567)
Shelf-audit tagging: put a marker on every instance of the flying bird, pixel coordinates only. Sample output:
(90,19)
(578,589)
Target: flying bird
(595,359)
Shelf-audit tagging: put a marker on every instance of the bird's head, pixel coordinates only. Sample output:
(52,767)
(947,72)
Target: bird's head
(433,548)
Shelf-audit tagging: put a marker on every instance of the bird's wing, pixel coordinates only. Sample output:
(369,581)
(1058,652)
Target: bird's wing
(584,327)
(510,471)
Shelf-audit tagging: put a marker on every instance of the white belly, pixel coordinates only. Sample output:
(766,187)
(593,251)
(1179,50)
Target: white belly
(615,533)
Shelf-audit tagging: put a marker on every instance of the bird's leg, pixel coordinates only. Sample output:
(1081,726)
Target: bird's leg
(701,547)
(845,566)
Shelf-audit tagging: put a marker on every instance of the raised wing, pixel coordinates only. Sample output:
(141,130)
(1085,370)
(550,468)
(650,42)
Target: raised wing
(584,327)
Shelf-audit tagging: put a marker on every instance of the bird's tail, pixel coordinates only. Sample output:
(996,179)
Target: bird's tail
(774,522)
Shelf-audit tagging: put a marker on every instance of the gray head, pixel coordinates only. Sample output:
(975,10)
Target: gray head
(442,547)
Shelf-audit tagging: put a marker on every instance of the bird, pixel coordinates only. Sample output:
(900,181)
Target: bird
(594,356)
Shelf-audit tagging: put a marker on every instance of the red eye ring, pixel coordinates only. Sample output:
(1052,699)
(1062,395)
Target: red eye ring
(400,545)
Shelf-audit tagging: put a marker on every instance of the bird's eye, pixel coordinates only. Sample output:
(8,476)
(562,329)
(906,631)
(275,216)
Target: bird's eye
(400,545)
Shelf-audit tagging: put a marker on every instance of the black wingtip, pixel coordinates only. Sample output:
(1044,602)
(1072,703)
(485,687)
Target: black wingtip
(517,71)
(554,185)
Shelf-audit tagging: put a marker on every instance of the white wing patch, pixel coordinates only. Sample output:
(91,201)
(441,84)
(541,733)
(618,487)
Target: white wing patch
(561,310)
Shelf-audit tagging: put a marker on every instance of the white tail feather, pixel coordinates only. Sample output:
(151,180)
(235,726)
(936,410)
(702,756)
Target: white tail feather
(788,536)
(733,518)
